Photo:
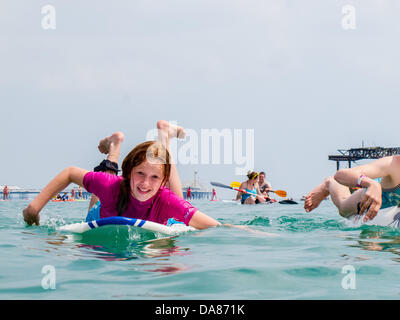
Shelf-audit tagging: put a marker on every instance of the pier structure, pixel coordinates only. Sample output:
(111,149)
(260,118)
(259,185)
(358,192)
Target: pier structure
(355,154)
(198,190)
(30,194)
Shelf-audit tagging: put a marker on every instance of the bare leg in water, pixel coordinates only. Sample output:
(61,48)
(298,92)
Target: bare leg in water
(340,195)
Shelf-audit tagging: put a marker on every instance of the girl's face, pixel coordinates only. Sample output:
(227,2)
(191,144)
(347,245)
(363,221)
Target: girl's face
(146,180)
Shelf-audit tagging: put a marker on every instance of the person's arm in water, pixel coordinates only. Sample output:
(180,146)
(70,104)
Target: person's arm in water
(202,221)
(59,183)
(386,168)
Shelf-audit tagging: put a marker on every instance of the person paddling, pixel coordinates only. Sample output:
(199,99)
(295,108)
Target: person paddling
(6,192)
(251,186)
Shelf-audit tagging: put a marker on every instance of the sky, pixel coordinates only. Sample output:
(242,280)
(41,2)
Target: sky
(290,71)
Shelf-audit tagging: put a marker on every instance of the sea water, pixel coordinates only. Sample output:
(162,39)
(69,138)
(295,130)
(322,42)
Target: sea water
(316,255)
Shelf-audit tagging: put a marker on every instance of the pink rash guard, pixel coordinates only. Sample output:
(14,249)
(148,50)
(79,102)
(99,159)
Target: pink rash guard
(163,205)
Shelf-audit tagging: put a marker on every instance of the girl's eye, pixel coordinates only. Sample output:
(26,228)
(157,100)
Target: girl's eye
(155,177)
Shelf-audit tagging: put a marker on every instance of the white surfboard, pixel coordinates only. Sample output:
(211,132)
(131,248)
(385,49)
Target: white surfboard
(231,201)
(82,227)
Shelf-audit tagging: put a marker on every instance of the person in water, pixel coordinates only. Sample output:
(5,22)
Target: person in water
(189,193)
(372,195)
(65,196)
(214,195)
(149,187)
(254,195)
(6,192)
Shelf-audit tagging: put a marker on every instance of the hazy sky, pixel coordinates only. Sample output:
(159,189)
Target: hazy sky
(288,70)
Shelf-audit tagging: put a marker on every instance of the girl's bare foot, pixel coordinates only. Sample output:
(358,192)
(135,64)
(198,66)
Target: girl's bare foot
(105,144)
(315,197)
(169,131)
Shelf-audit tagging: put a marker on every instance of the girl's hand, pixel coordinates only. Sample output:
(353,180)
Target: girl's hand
(246,228)
(371,201)
(31,216)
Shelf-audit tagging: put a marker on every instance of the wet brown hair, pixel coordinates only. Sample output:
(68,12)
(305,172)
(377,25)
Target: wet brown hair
(150,151)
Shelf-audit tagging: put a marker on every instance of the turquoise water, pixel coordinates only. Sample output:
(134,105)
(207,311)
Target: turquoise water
(304,261)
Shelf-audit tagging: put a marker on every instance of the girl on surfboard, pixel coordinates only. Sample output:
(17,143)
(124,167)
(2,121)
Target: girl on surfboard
(149,188)
(371,195)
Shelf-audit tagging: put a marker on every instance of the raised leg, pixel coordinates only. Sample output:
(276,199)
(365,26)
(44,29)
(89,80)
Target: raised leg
(166,132)
(111,146)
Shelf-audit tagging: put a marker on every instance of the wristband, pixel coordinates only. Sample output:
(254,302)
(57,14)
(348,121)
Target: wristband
(360,180)
(107,165)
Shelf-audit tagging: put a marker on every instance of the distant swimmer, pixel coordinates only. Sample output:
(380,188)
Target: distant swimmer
(65,196)
(371,196)
(214,195)
(6,192)
(253,195)
(80,193)
(72,194)
(189,193)
(264,185)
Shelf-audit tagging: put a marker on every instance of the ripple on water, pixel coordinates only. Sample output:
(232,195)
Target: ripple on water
(312,272)
(303,224)
(258,221)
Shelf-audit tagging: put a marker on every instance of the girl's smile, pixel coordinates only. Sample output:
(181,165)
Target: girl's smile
(146,180)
